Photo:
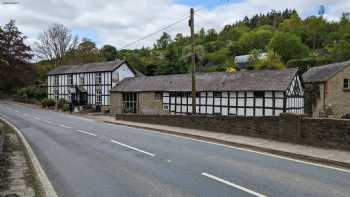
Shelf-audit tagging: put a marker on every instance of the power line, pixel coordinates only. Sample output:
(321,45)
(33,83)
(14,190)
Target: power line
(156,32)
(167,27)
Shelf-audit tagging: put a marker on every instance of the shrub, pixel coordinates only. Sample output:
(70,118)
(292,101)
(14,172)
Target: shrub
(48,103)
(61,103)
(65,107)
(31,92)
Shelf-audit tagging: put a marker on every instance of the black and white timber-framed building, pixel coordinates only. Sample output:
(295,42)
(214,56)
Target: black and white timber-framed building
(247,93)
(87,84)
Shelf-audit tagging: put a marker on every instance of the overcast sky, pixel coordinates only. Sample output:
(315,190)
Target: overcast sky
(119,22)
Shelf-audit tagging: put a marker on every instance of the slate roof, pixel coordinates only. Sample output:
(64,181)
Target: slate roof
(91,67)
(263,80)
(324,73)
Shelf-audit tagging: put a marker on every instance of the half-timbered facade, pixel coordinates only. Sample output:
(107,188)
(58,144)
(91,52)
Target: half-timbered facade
(248,93)
(87,84)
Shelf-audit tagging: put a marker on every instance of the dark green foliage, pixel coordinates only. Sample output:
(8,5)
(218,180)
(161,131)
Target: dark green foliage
(32,92)
(304,64)
(15,56)
(297,42)
(341,51)
(48,103)
(109,52)
(62,103)
(255,40)
(288,46)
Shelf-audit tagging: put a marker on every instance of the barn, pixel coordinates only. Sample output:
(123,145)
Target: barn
(246,93)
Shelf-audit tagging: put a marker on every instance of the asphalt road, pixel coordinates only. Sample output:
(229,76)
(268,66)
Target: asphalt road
(86,158)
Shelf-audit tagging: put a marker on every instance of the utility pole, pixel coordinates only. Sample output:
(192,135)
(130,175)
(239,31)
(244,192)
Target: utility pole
(191,23)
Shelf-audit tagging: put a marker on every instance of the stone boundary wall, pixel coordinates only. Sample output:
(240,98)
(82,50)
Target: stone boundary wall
(294,128)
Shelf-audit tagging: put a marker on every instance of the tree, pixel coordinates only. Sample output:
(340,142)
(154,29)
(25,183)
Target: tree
(163,41)
(55,42)
(199,54)
(315,31)
(288,46)
(15,56)
(341,51)
(272,61)
(212,35)
(293,25)
(255,40)
(109,52)
(86,52)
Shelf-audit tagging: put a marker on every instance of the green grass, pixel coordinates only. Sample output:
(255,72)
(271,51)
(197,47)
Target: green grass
(31,177)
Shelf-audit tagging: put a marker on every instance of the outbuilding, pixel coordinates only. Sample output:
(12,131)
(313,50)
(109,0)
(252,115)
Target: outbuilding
(327,90)
(246,93)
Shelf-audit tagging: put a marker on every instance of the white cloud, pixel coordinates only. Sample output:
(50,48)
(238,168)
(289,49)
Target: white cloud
(123,21)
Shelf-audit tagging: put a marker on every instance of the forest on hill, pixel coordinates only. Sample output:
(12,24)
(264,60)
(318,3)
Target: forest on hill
(286,38)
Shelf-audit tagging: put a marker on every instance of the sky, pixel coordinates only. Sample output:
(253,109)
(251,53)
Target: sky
(120,22)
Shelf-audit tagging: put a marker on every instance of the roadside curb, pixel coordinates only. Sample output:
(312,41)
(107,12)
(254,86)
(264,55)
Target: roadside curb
(47,187)
(247,146)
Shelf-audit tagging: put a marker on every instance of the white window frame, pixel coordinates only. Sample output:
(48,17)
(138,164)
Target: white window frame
(70,79)
(56,93)
(82,80)
(98,78)
(56,80)
(98,95)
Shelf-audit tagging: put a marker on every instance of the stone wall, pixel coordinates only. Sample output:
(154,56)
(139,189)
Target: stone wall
(328,133)
(333,100)
(115,106)
(148,104)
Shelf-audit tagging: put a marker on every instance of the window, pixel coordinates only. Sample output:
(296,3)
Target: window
(166,107)
(56,94)
(98,95)
(346,83)
(56,80)
(259,94)
(81,80)
(70,80)
(98,78)
(158,96)
(217,94)
(129,102)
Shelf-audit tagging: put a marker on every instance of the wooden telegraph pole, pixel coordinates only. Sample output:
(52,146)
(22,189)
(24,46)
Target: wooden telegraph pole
(191,23)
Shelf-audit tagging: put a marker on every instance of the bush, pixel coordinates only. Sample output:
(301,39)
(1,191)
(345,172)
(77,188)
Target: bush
(65,107)
(48,103)
(61,103)
(32,92)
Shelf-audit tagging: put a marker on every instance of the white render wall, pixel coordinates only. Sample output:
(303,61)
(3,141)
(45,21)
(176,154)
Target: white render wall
(230,103)
(121,73)
(89,84)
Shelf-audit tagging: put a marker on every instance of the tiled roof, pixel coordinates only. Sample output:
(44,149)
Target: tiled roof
(262,80)
(324,73)
(91,67)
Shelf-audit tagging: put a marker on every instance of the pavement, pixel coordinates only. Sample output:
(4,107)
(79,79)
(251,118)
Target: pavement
(85,157)
(333,157)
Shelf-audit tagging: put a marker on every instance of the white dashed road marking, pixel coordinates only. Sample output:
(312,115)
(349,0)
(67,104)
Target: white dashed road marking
(65,126)
(133,148)
(233,185)
(87,133)
(36,118)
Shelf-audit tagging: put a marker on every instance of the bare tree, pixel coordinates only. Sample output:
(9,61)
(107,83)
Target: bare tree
(55,42)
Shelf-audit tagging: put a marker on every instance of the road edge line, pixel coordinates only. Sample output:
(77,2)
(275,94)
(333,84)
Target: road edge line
(316,161)
(43,178)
